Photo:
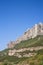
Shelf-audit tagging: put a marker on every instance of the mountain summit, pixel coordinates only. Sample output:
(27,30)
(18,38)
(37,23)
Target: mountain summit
(36,30)
(26,50)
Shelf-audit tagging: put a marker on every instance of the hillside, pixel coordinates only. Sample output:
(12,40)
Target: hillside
(26,50)
(33,42)
(36,58)
(11,60)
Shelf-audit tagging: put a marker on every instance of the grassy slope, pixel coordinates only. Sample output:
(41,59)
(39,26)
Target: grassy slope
(38,41)
(36,60)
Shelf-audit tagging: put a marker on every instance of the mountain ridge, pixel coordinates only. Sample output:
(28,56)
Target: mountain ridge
(28,51)
(36,30)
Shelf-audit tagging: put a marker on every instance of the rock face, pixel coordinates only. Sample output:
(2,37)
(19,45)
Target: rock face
(14,51)
(37,29)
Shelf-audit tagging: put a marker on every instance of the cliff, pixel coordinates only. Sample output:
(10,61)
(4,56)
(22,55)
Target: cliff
(36,30)
(26,50)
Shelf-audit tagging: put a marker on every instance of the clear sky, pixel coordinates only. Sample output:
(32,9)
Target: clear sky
(16,16)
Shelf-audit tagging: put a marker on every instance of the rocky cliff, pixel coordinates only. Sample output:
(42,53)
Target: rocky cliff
(37,29)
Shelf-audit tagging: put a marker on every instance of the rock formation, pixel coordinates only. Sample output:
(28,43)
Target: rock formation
(37,29)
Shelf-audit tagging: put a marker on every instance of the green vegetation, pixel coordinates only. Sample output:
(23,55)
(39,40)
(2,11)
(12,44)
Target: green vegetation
(12,60)
(37,41)
(34,60)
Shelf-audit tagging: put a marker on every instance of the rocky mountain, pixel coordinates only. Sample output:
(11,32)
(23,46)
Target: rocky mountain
(36,30)
(26,50)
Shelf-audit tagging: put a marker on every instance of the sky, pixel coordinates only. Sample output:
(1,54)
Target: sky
(16,16)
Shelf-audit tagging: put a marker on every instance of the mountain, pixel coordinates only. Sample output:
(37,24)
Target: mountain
(26,50)
(36,30)
(30,54)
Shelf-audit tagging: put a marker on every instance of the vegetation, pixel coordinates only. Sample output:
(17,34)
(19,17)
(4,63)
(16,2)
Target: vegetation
(12,60)
(37,41)
(34,60)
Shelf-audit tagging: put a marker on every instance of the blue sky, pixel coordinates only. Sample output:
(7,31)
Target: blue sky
(16,16)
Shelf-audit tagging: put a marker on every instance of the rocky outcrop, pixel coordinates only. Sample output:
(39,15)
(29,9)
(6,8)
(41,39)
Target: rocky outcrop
(37,29)
(15,52)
